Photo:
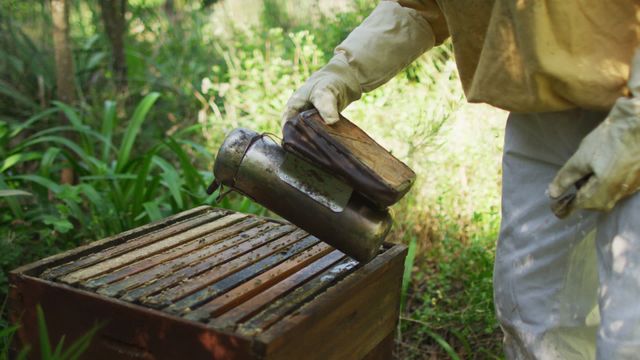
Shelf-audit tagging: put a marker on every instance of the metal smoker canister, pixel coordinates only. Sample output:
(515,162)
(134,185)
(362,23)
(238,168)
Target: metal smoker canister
(307,196)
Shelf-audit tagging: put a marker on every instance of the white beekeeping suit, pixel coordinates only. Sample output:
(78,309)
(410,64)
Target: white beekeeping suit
(564,288)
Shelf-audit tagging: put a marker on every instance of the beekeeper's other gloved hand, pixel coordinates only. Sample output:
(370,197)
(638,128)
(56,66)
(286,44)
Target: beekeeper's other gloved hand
(608,157)
(386,42)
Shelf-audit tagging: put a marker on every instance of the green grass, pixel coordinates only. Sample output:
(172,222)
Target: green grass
(455,220)
(48,351)
(149,154)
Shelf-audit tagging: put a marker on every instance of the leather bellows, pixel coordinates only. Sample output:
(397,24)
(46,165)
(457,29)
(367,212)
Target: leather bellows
(347,152)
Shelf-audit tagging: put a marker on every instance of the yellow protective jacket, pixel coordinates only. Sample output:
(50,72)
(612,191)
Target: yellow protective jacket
(538,55)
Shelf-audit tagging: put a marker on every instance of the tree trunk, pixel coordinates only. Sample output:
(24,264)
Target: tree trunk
(65,75)
(115,25)
(170,9)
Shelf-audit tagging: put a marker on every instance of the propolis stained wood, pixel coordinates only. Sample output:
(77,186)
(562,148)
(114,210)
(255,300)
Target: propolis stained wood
(214,284)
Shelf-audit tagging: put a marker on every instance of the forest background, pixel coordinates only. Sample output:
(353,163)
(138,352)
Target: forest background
(111,113)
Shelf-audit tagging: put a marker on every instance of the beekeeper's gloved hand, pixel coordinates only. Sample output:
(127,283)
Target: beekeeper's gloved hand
(386,42)
(610,155)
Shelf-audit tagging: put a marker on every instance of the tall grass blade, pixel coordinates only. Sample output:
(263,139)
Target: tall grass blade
(40,62)
(84,130)
(6,335)
(75,350)
(45,344)
(152,187)
(98,203)
(13,93)
(32,120)
(192,176)
(78,347)
(197,147)
(14,159)
(83,156)
(8,193)
(152,210)
(6,332)
(22,355)
(408,267)
(109,121)
(171,179)
(71,114)
(133,128)
(489,355)
(42,181)
(463,339)
(111,177)
(58,140)
(443,344)
(14,205)
(141,182)
(58,351)
(49,157)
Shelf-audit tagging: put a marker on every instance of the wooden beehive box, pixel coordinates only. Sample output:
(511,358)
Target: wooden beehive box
(214,284)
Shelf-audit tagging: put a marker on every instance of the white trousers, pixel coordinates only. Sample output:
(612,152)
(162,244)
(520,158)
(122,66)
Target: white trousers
(563,289)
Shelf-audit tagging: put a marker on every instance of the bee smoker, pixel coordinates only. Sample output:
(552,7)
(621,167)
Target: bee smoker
(309,197)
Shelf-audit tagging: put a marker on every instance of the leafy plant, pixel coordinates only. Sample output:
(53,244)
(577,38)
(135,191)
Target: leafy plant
(6,336)
(72,352)
(27,80)
(27,72)
(124,186)
(120,183)
(47,351)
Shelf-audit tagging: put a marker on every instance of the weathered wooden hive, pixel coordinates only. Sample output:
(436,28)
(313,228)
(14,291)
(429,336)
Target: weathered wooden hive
(214,284)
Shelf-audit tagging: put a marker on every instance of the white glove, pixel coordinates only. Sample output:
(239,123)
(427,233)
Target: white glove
(329,90)
(608,158)
(385,43)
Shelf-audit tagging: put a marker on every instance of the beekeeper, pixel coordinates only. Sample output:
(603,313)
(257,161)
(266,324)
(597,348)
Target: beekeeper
(564,288)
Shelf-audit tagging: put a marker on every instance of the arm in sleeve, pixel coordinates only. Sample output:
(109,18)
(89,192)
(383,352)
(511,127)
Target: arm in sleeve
(393,36)
(388,40)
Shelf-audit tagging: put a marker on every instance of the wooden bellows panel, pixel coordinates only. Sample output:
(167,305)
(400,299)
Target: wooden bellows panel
(347,152)
(220,274)
(378,159)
